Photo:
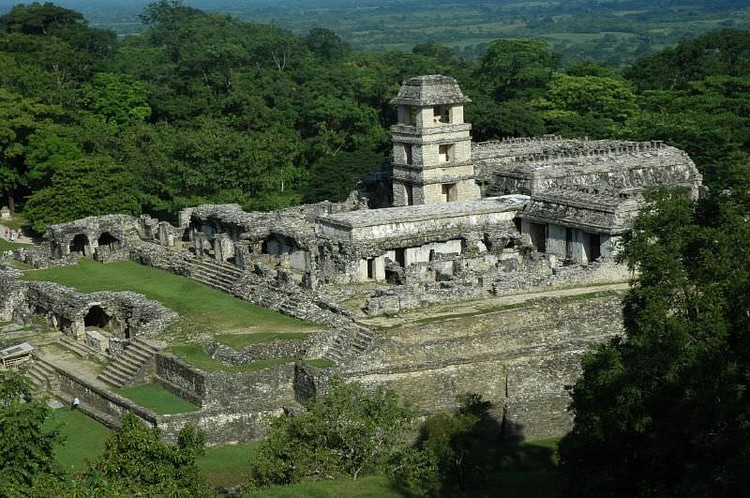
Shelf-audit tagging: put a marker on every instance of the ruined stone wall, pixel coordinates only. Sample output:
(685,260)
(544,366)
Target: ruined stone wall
(518,358)
(251,391)
(255,352)
(180,378)
(12,296)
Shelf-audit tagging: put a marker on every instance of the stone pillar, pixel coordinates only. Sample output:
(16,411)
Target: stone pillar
(556,240)
(166,238)
(577,251)
(223,247)
(184,216)
(199,241)
(240,260)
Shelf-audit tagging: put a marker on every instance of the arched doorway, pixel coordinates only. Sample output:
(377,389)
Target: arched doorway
(79,244)
(97,317)
(109,241)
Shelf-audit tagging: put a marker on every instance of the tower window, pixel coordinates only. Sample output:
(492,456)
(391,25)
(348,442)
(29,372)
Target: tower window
(445,152)
(408,148)
(450,192)
(440,114)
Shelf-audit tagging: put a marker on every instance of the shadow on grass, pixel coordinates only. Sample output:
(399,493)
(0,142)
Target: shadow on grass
(477,456)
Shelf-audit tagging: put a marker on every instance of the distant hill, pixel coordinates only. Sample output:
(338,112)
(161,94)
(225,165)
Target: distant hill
(611,31)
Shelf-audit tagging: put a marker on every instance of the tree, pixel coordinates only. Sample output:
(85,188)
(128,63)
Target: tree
(136,462)
(26,446)
(19,119)
(326,44)
(88,186)
(39,19)
(117,98)
(593,106)
(344,433)
(664,410)
(516,68)
(456,450)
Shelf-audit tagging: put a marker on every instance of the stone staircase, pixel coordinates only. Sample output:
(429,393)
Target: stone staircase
(42,375)
(122,370)
(217,275)
(342,349)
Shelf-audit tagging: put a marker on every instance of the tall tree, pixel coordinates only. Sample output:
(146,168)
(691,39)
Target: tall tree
(664,410)
(20,118)
(26,446)
(343,433)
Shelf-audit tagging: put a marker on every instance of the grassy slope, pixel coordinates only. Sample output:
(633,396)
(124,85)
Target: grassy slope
(201,308)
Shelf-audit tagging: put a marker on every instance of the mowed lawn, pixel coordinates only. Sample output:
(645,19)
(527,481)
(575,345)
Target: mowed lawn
(83,438)
(201,308)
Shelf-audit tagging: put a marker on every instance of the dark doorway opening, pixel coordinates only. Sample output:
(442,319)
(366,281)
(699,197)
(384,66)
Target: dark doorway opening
(96,317)
(78,244)
(538,233)
(109,241)
(401,257)
(595,246)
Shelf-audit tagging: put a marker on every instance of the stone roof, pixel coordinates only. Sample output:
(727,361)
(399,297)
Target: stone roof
(374,217)
(606,165)
(584,210)
(433,89)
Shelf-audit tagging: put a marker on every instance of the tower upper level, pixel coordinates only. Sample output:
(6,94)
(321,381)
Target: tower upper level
(431,143)
(431,100)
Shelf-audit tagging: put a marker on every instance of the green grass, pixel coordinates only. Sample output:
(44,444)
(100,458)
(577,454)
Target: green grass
(194,355)
(226,466)
(364,487)
(84,438)
(10,246)
(240,341)
(319,363)
(200,307)
(156,398)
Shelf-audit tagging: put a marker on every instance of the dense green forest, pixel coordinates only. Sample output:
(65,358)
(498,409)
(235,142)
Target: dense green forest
(207,108)
(614,32)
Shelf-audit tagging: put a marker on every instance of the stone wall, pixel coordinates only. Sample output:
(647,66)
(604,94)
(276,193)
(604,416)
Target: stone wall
(519,358)
(255,352)
(180,378)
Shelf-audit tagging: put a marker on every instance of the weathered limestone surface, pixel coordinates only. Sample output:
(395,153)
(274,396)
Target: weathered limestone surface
(516,358)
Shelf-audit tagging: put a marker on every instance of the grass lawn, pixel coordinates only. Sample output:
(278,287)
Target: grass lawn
(156,398)
(84,438)
(240,341)
(10,246)
(364,487)
(226,466)
(201,308)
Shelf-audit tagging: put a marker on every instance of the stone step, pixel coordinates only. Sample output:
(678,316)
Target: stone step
(129,361)
(207,263)
(113,379)
(121,370)
(215,285)
(215,275)
(150,347)
(76,347)
(41,374)
(138,353)
(217,271)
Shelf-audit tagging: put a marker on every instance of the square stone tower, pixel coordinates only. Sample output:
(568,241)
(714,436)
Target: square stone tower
(431,143)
